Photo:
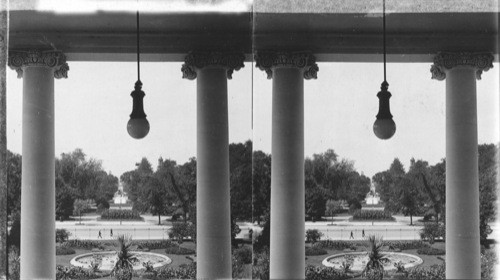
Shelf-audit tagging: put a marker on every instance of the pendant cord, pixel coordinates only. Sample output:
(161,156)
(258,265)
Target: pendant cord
(384,41)
(138,50)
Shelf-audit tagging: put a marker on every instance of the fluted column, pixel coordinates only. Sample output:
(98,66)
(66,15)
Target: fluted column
(38,69)
(213,224)
(288,70)
(461,70)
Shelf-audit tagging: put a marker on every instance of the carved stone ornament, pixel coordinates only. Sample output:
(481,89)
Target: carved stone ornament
(445,61)
(51,59)
(266,61)
(195,61)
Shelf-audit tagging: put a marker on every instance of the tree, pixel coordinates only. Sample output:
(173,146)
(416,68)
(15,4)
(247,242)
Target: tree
(488,171)
(156,198)
(333,207)
(261,192)
(240,168)
(79,207)
(14,168)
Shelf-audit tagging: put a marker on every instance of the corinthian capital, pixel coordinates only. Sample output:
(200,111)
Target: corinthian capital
(268,60)
(195,61)
(445,61)
(51,59)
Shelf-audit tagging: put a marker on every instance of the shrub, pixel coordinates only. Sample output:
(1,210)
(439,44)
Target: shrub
(102,205)
(66,273)
(123,274)
(363,215)
(243,255)
(435,272)
(184,271)
(374,274)
(488,263)
(405,245)
(64,250)
(178,250)
(321,272)
(14,263)
(430,251)
(114,214)
(338,245)
(179,231)
(313,235)
(83,244)
(315,251)
(158,244)
(260,268)
(432,231)
(62,235)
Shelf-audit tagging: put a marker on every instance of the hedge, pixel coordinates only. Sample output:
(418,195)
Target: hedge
(63,250)
(430,251)
(158,244)
(243,254)
(115,214)
(83,244)
(321,272)
(315,251)
(177,250)
(364,215)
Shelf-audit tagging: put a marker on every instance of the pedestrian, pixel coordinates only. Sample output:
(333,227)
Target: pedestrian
(250,234)
(99,236)
(352,235)
(363,232)
(111,232)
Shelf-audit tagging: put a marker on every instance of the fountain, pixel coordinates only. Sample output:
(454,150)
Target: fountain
(107,260)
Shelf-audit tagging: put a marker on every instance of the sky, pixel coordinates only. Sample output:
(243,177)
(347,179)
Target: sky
(94,103)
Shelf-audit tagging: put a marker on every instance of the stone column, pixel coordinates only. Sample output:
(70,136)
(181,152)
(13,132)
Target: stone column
(213,224)
(38,69)
(462,181)
(288,70)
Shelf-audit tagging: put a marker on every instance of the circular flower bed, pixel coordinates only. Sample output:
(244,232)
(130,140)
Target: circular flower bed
(107,260)
(358,260)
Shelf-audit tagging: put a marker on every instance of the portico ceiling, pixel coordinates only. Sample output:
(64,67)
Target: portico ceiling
(335,30)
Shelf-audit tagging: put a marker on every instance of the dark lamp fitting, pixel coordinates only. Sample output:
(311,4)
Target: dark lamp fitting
(384,127)
(138,125)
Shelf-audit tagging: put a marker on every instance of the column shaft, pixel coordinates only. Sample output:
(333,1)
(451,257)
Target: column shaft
(38,256)
(287,252)
(213,201)
(462,180)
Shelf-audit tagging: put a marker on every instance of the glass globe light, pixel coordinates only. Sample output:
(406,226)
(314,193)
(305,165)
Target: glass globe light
(138,125)
(384,127)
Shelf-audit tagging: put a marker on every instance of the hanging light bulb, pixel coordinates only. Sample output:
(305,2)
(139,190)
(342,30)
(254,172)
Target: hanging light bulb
(384,127)
(138,125)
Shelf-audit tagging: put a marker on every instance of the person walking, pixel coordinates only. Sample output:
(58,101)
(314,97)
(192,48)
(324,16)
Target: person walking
(99,236)
(352,235)
(111,232)
(363,233)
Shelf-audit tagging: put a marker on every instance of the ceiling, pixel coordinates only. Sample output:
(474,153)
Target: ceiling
(332,35)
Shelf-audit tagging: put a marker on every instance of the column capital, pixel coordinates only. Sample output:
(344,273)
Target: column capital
(445,61)
(198,60)
(51,59)
(269,60)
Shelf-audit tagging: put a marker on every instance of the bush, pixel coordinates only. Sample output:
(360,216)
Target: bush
(260,268)
(430,251)
(14,263)
(62,235)
(64,250)
(432,231)
(102,205)
(184,271)
(313,235)
(315,251)
(374,274)
(243,255)
(321,272)
(179,231)
(114,214)
(364,215)
(178,250)
(405,245)
(435,272)
(338,245)
(158,244)
(83,244)
(66,273)
(488,263)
